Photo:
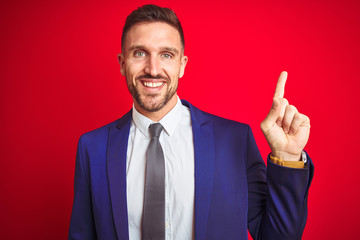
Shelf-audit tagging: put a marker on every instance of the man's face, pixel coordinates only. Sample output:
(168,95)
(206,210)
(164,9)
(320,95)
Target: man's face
(152,63)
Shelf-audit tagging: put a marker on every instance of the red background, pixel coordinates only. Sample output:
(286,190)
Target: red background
(60,78)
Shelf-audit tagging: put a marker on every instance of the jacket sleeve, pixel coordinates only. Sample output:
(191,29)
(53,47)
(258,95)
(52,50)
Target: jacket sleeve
(277,197)
(82,222)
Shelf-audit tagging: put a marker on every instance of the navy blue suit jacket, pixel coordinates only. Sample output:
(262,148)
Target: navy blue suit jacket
(234,191)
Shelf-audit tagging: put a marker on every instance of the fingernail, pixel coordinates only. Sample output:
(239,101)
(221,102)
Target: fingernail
(286,130)
(278,122)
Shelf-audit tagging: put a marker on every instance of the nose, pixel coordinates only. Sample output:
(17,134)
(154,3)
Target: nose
(153,66)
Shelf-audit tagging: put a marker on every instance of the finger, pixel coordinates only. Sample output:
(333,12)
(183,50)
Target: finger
(289,115)
(296,123)
(280,86)
(283,103)
(300,120)
(275,114)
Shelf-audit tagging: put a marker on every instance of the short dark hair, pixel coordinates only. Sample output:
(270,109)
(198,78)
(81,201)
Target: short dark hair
(152,13)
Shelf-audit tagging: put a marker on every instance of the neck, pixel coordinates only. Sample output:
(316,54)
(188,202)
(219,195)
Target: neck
(158,115)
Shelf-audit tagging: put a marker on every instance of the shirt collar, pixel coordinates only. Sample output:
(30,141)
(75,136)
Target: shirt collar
(169,121)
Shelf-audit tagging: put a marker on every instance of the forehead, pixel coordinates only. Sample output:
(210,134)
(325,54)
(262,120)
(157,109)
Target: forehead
(153,35)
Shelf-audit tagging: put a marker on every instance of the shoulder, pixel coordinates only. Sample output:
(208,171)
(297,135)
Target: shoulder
(101,133)
(228,129)
(217,121)
(224,122)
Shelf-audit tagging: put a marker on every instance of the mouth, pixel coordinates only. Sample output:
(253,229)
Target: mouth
(153,85)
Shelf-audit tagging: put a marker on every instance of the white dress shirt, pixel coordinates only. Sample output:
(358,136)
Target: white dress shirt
(177,142)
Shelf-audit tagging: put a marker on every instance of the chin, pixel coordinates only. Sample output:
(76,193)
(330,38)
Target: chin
(152,105)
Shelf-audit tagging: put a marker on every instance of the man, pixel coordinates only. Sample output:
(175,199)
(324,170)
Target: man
(213,182)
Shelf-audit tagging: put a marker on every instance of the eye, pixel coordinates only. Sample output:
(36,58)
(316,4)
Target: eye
(139,54)
(166,55)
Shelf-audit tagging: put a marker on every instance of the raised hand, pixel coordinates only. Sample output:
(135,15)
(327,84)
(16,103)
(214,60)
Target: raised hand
(285,129)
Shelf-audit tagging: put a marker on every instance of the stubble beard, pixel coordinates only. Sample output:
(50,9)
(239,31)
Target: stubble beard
(147,102)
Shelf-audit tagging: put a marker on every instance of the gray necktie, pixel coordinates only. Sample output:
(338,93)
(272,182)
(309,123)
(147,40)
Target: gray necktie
(154,201)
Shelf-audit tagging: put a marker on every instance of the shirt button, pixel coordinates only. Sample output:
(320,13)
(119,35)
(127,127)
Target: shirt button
(167,225)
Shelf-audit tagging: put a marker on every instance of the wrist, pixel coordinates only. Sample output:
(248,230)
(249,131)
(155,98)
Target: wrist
(286,156)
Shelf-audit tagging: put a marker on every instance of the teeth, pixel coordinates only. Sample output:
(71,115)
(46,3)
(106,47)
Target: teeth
(153,84)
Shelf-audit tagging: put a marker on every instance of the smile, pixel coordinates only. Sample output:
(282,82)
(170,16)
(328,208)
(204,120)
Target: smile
(153,84)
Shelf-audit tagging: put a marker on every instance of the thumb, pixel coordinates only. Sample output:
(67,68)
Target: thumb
(273,113)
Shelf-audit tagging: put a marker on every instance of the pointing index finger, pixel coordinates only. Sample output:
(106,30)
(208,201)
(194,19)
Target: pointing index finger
(280,86)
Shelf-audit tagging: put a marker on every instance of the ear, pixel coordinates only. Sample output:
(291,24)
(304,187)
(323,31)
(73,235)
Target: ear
(184,60)
(121,61)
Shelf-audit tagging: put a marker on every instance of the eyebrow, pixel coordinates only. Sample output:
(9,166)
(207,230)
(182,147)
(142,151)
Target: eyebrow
(136,47)
(169,49)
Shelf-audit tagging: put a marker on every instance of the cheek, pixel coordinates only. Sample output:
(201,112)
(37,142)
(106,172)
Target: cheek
(173,69)
(131,72)
(134,67)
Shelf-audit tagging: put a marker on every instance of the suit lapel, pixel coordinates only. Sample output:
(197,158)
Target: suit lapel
(116,168)
(203,136)
(204,148)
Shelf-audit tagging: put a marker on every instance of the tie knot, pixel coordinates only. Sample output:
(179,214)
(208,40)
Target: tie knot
(155,129)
